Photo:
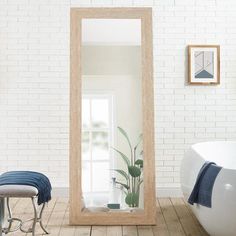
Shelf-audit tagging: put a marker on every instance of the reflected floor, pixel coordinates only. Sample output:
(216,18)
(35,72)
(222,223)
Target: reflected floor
(106,209)
(97,202)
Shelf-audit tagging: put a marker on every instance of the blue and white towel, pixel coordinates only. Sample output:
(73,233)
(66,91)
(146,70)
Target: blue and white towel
(35,179)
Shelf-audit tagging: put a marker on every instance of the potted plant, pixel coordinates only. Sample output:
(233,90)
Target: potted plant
(133,173)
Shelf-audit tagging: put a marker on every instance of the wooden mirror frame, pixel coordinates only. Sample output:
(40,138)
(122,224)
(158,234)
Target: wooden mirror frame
(148,215)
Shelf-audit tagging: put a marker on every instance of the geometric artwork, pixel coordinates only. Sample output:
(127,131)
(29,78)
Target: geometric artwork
(204,64)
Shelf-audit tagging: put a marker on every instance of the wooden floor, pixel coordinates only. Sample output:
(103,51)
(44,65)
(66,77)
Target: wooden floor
(173,218)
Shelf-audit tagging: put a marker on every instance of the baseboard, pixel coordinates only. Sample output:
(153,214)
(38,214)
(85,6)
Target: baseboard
(161,192)
(169,192)
(60,192)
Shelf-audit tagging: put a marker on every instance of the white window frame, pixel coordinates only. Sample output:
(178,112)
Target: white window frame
(111,135)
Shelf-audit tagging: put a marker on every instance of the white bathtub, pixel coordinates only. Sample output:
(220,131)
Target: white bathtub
(220,220)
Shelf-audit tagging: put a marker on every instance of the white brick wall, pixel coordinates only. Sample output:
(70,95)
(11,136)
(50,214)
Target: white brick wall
(34,82)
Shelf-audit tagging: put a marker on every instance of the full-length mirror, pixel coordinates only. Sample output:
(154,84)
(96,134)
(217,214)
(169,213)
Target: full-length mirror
(112,152)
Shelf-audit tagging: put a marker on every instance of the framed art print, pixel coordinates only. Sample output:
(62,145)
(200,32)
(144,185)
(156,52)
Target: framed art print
(204,64)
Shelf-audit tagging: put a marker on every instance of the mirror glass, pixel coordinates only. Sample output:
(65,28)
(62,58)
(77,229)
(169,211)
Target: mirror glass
(112,156)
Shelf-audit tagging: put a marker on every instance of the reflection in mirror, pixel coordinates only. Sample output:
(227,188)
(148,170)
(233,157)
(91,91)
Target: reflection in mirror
(112,157)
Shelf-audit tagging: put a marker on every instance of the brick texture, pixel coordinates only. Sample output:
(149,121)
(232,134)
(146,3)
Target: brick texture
(34,82)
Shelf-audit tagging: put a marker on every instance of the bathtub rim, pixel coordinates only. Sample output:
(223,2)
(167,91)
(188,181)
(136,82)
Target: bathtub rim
(193,147)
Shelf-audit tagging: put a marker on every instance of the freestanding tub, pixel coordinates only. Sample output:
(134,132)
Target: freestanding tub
(220,220)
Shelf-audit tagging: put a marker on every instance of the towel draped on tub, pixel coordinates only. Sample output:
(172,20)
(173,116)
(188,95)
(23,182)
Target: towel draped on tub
(202,190)
(30,178)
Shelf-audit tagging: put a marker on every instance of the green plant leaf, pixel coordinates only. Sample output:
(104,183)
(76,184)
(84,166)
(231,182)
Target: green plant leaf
(134,171)
(124,185)
(125,135)
(138,186)
(139,163)
(139,140)
(123,173)
(124,157)
(132,199)
(139,183)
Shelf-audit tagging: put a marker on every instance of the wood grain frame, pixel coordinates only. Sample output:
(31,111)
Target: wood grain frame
(148,215)
(190,62)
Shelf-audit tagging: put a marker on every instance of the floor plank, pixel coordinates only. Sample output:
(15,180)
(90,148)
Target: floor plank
(145,231)
(47,213)
(67,229)
(185,218)
(172,221)
(99,231)
(21,210)
(160,229)
(82,231)
(13,202)
(57,216)
(201,229)
(174,218)
(21,206)
(114,230)
(129,230)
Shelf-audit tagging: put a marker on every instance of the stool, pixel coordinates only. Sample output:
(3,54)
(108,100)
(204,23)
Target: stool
(22,191)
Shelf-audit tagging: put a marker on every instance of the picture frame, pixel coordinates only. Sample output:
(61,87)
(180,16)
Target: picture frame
(203,64)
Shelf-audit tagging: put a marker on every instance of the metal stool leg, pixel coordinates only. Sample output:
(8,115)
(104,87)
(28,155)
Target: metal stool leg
(9,215)
(10,219)
(37,218)
(2,213)
(40,219)
(35,215)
